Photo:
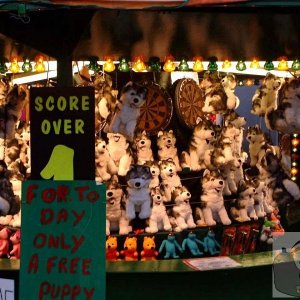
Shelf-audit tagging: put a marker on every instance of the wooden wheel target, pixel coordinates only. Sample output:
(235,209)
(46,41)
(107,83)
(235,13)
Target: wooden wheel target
(189,101)
(157,111)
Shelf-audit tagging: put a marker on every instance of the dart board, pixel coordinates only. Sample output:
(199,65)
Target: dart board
(156,112)
(189,101)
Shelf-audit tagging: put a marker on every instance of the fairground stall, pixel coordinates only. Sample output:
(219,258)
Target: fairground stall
(149,149)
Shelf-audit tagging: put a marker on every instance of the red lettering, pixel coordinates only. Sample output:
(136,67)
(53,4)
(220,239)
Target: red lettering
(62,192)
(80,191)
(50,263)
(62,216)
(86,267)
(62,265)
(44,289)
(40,240)
(63,244)
(33,264)
(93,196)
(77,243)
(49,195)
(74,265)
(78,217)
(89,293)
(53,242)
(66,291)
(29,194)
(75,291)
(47,216)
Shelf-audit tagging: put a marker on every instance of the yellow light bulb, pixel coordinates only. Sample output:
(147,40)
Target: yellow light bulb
(294,171)
(283,65)
(139,65)
(198,66)
(14,65)
(109,65)
(226,64)
(254,64)
(39,64)
(169,65)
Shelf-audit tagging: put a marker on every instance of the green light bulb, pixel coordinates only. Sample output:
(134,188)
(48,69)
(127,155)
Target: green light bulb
(212,66)
(26,67)
(154,64)
(124,66)
(296,65)
(3,67)
(269,66)
(241,66)
(94,66)
(183,66)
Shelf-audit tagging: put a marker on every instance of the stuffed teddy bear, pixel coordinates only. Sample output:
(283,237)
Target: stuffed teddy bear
(116,219)
(112,254)
(159,219)
(286,117)
(212,201)
(129,251)
(166,143)
(138,179)
(155,173)
(119,151)
(182,210)
(105,166)
(149,252)
(229,84)
(191,242)
(10,112)
(127,112)
(15,239)
(171,245)
(143,148)
(265,97)
(211,244)
(243,209)
(169,177)
(198,155)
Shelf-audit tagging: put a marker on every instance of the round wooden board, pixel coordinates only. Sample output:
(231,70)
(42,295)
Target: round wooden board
(189,101)
(157,111)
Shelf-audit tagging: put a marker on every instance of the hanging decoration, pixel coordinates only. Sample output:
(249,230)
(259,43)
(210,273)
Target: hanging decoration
(295,157)
(226,64)
(255,64)
(283,64)
(93,65)
(183,66)
(40,64)
(27,66)
(123,65)
(169,65)
(3,67)
(198,64)
(154,64)
(139,64)
(296,65)
(269,66)
(241,65)
(109,65)
(14,64)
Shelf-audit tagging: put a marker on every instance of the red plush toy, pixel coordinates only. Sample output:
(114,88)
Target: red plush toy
(4,242)
(149,252)
(16,242)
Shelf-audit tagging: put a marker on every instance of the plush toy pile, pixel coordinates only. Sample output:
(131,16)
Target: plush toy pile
(146,189)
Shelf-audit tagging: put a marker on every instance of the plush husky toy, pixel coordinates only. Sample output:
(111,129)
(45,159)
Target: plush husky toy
(119,151)
(286,118)
(115,208)
(198,155)
(182,210)
(4,88)
(215,100)
(159,220)
(212,201)
(229,84)
(169,176)
(138,180)
(124,121)
(244,205)
(166,143)
(155,173)
(265,98)
(10,112)
(105,166)
(258,144)
(143,148)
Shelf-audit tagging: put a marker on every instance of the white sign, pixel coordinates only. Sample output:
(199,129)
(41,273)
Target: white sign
(7,289)
(212,263)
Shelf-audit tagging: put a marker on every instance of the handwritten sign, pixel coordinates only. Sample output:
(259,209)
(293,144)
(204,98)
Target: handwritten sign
(62,124)
(7,289)
(63,240)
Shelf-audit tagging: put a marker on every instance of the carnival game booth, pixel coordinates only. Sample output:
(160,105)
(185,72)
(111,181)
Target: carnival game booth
(190,132)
